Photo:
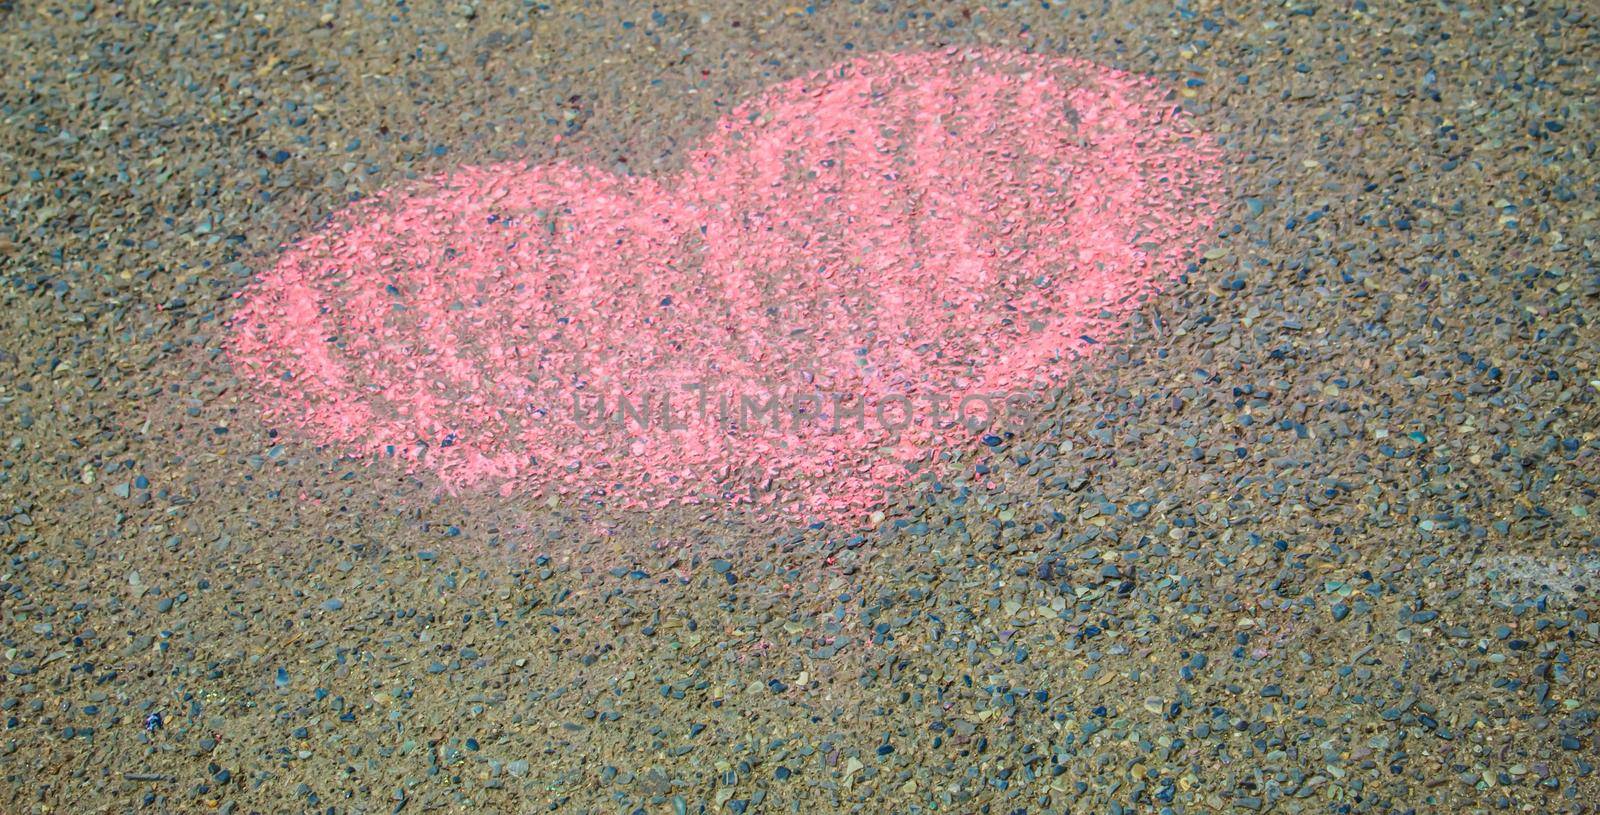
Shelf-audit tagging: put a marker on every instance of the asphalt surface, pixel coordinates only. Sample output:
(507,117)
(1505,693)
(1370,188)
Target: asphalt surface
(1314,533)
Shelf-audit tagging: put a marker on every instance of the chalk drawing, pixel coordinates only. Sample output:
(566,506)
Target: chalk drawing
(774,324)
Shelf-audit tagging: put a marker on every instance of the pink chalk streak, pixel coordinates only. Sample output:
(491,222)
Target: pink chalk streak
(898,227)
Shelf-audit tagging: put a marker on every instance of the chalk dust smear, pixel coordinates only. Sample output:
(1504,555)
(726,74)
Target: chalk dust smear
(898,230)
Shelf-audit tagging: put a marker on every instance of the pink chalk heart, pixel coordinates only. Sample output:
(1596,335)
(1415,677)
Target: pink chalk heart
(850,262)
